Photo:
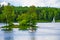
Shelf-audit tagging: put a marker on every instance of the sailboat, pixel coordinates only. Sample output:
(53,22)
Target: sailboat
(53,21)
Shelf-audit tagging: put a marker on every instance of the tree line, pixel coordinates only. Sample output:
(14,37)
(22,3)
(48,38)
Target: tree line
(28,16)
(43,13)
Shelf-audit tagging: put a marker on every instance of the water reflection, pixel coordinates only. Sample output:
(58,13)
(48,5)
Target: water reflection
(8,35)
(45,31)
(58,37)
(32,34)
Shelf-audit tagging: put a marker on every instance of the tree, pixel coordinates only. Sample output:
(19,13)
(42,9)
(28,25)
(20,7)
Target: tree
(27,20)
(23,21)
(8,13)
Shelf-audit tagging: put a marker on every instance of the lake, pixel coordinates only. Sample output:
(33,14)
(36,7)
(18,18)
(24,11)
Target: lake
(45,31)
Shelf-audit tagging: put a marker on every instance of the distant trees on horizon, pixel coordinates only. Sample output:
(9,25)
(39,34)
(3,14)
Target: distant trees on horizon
(42,13)
(27,16)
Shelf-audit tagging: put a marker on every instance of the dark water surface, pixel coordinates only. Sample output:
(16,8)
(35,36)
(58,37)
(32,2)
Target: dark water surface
(45,31)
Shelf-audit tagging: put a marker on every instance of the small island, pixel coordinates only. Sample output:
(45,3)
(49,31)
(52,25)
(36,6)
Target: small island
(27,17)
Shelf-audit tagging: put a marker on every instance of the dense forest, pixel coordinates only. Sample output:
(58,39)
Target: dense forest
(27,16)
(42,13)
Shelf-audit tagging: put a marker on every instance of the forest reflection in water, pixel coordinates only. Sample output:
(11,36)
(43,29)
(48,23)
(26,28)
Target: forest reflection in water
(45,31)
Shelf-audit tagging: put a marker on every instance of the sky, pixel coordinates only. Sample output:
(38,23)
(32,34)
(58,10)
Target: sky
(41,3)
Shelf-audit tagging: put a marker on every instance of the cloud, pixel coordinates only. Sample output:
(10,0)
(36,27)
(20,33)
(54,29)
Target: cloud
(33,2)
(51,3)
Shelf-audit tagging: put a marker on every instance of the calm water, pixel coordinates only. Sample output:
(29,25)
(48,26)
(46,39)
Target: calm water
(45,31)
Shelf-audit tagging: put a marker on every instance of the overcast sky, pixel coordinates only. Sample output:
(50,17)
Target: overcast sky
(42,3)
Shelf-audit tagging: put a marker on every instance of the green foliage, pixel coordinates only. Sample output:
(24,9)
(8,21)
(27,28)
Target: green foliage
(27,20)
(8,14)
(28,16)
(42,13)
